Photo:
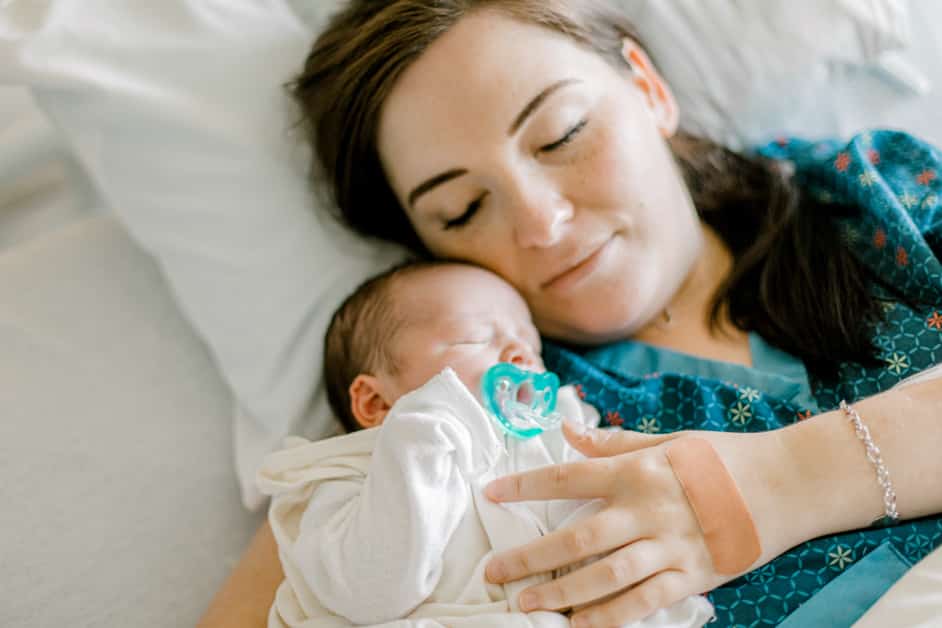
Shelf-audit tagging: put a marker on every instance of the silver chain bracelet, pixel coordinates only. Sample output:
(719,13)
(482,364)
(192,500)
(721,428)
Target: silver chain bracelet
(891,515)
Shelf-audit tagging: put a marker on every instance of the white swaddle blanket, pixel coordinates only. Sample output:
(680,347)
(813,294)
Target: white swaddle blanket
(389,527)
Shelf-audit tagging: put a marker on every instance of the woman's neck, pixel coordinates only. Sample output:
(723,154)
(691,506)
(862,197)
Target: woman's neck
(685,324)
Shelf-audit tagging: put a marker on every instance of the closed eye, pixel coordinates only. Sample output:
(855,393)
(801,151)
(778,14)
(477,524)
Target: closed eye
(481,337)
(468,214)
(568,137)
(473,342)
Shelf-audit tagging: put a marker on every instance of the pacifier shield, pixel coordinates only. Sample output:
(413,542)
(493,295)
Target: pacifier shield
(522,402)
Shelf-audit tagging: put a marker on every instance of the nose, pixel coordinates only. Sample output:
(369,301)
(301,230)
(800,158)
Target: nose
(540,214)
(520,354)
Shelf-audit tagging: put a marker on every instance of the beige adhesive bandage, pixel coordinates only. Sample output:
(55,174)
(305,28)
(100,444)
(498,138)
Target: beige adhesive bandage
(727,524)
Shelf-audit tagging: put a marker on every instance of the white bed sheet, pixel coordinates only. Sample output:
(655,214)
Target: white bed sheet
(118,503)
(41,186)
(60,440)
(915,601)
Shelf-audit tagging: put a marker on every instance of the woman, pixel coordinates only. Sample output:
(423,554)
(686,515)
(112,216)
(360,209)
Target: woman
(535,138)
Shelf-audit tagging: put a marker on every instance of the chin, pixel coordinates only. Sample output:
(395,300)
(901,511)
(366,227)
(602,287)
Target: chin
(605,317)
(587,328)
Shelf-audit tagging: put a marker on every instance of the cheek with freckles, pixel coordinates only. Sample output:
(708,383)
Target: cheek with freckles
(604,165)
(607,177)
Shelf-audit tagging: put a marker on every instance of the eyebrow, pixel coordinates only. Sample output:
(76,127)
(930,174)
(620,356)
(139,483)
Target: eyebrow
(434,182)
(536,102)
(527,111)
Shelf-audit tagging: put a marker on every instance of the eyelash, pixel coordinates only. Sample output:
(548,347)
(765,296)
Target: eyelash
(463,219)
(570,136)
(475,205)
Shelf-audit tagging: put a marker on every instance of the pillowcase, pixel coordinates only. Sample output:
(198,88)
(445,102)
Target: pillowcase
(742,71)
(177,112)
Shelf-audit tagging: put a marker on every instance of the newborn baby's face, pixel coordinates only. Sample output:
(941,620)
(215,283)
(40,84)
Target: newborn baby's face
(464,318)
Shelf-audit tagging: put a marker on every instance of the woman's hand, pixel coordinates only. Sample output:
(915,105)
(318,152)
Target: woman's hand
(656,552)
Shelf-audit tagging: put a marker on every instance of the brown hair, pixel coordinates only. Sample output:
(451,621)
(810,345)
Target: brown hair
(793,281)
(358,337)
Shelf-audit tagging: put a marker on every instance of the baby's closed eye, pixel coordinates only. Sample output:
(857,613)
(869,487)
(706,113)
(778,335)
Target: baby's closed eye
(481,338)
(473,342)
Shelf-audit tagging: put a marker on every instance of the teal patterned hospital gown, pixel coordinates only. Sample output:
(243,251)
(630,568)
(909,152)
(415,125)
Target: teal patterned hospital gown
(896,182)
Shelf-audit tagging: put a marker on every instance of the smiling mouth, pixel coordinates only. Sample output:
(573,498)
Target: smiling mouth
(580,269)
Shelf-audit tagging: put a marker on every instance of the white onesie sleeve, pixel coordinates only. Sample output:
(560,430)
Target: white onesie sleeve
(372,551)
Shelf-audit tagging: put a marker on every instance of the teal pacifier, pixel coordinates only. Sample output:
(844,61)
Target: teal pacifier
(522,402)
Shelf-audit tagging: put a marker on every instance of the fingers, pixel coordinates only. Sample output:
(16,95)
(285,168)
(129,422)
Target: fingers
(595,535)
(586,479)
(595,443)
(657,592)
(614,573)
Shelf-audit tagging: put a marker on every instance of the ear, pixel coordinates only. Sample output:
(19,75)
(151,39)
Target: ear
(369,401)
(655,89)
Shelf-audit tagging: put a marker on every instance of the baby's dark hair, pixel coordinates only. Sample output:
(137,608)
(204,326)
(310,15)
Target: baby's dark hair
(358,338)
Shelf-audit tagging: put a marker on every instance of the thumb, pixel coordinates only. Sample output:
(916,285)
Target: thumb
(597,443)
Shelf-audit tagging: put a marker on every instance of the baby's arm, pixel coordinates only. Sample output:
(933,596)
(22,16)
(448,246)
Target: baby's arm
(372,552)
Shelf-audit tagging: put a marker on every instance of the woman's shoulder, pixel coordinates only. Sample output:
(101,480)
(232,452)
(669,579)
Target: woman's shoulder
(886,190)
(896,169)
(875,147)
(887,172)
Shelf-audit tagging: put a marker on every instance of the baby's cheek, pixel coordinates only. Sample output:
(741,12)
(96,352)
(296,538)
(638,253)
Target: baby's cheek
(470,368)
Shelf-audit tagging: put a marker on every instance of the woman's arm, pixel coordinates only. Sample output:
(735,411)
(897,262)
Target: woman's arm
(906,424)
(821,481)
(245,597)
(801,482)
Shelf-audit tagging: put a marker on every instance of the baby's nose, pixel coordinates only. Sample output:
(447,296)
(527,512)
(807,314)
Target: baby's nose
(521,355)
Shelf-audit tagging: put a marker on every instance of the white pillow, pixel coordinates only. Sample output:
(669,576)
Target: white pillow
(742,70)
(177,112)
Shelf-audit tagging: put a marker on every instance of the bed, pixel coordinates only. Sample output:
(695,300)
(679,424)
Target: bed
(164,282)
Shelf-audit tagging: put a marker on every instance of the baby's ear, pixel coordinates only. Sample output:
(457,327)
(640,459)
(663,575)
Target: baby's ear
(368,402)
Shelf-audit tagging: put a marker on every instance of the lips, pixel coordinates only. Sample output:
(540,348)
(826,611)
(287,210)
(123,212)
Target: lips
(581,266)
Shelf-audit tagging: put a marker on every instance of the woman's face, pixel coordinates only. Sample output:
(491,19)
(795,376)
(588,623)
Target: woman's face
(512,147)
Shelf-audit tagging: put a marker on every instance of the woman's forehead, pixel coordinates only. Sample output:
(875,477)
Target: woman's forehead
(473,80)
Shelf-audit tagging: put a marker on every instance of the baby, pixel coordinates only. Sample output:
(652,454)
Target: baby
(389,526)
